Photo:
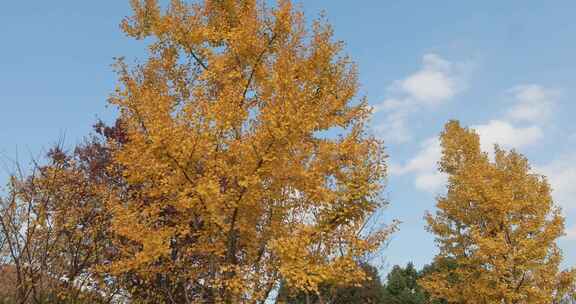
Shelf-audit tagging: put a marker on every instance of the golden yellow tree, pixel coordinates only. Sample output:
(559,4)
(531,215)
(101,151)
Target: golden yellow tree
(499,224)
(237,184)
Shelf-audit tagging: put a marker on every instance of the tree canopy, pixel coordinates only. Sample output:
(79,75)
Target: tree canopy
(498,224)
(237,187)
(241,164)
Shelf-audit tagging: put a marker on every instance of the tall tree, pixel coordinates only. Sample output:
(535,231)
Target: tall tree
(238,184)
(498,223)
(369,291)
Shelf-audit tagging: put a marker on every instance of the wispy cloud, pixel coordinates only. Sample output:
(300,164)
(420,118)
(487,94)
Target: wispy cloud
(435,83)
(506,135)
(424,167)
(561,174)
(518,128)
(571,233)
(393,128)
(533,103)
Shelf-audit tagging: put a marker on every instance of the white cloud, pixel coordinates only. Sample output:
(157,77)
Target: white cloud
(430,182)
(436,82)
(561,175)
(388,105)
(427,158)
(433,84)
(506,135)
(430,87)
(533,103)
(424,166)
(571,233)
(394,128)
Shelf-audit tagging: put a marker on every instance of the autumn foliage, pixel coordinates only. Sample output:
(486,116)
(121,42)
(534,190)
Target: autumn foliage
(224,182)
(237,187)
(241,164)
(54,229)
(498,224)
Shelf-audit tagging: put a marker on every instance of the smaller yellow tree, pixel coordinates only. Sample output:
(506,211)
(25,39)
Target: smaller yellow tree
(498,222)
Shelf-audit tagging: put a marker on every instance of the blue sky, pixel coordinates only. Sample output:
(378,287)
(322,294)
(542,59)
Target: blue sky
(506,68)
